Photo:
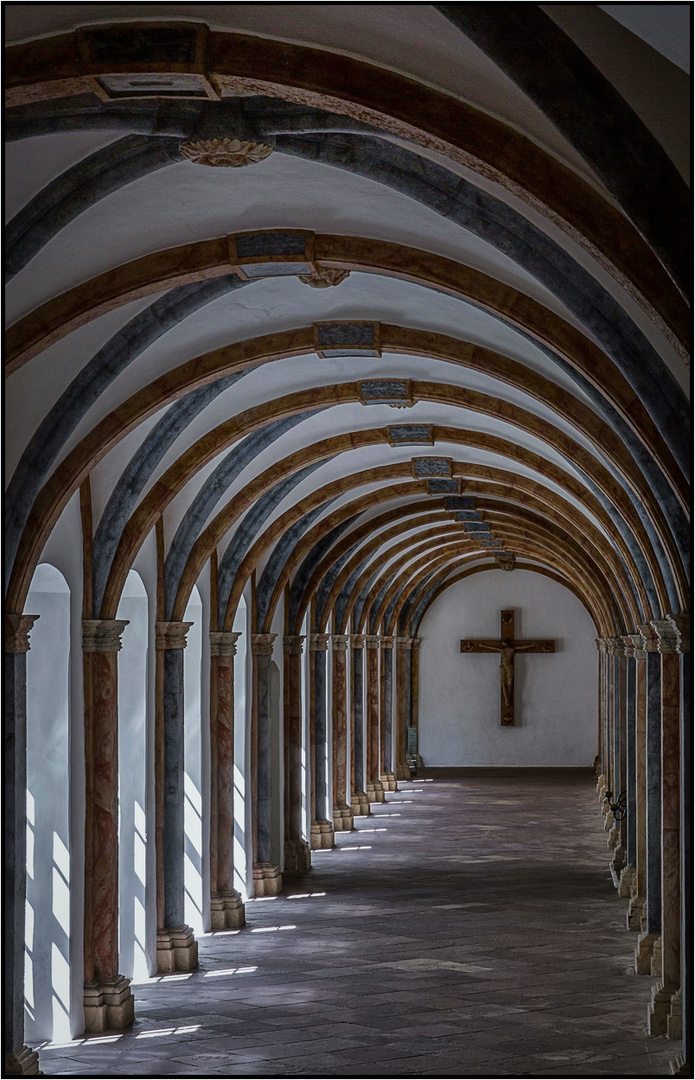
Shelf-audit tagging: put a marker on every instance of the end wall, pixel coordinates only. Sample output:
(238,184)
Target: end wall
(555,694)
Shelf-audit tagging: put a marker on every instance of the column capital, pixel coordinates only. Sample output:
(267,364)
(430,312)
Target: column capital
(293,644)
(681,625)
(223,642)
(416,642)
(17,630)
(650,638)
(357,641)
(339,642)
(615,646)
(601,644)
(171,635)
(371,641)
(386,641)
(102,635)
(666,632)
(403,642)
(262,644)
(633,646)
(318,642)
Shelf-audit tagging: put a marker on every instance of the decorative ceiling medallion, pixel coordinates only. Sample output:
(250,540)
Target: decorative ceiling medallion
(324,276)
(225,153)
(506,560)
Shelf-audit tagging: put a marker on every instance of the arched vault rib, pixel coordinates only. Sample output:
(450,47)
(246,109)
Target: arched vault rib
(209,446)
(211,258)
(54,67)
(437,587)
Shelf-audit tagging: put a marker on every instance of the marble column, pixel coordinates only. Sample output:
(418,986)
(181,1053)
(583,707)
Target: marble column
(374,786)
(627,875)
(108,999)
(387,774)
(649,941)
(413,749)
(297,850)
(670,976)
(403,649)
(226,907)
(177,949)
(267,879)
(618,833)
(680,1015)
(359,803)
(638,882)
(20,1060)
(342,813)
(322,834)
(602,778)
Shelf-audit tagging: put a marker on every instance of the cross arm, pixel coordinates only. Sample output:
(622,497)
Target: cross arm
(539,645)
(481,645)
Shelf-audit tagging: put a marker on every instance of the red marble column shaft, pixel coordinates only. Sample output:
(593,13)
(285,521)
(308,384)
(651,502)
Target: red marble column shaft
(292,702)
(640,769)
(372,675)
(339,643)
(223,651)
(101,642)
(670,808)
(403,646)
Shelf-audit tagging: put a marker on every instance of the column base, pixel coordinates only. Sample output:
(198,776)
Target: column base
(656,959)
(635,911)
(359,804)
(609,819)
(227,910)
(322,835)
(23,1062)
(644,952)
(658,1010)
(679,1067)
(177,950)
(388,781)
(674,1024)
(375,791)
(297,858)
(402,771)
(601,787)
(342,819)
(108,1005)
(267,879)
(626,882)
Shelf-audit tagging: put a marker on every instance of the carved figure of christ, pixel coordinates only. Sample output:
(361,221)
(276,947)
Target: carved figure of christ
(506,645)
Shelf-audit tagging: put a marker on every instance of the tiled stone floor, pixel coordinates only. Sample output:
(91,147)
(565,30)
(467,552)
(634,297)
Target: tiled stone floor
(469,927)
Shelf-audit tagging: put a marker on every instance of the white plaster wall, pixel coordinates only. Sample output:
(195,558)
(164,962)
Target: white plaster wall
(556,694)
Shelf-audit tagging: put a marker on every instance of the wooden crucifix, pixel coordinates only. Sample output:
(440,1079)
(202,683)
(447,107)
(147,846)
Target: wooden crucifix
(507,646)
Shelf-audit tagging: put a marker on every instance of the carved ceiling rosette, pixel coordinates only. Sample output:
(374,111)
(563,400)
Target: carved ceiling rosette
(225,153)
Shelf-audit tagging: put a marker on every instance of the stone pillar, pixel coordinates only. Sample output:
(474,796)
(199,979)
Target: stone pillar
(386,772)
(618,832)
(267,879)
(602,778)
(359,803)
(374,787)
(403,648)
(226,907)
(19,1059)
(681,1002)
(297,850)
(177,949)
(649,939)
(670,975)
(322,835)
(108,999)
(413,749)
(627,875)
(342,814)
(638,884)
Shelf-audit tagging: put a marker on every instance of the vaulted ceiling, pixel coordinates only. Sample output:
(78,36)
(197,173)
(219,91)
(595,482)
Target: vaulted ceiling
(355,298)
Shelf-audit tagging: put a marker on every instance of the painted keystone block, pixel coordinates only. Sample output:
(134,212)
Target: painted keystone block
(393,392)
(476,526)
(462,502)
(272,253)
(444,486)
(490,543)
(348,338)
(431,466)
(410,434)
(467,515)
(135,61)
